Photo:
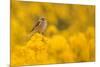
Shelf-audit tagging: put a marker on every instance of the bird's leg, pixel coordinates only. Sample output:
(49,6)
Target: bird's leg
(43,36)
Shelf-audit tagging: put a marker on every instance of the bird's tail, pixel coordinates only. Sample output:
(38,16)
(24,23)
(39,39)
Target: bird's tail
(28,36)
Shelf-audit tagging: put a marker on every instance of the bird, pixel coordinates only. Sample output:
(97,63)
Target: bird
(40,27)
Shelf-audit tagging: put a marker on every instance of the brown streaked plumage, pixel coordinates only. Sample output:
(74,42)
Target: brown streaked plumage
(39,27)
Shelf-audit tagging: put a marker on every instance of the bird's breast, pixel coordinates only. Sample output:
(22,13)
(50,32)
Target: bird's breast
(43,26)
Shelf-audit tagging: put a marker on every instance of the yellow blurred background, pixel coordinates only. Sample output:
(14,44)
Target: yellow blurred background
(69,37)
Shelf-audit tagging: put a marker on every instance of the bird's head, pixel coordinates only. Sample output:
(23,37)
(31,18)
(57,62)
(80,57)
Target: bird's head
(42,18)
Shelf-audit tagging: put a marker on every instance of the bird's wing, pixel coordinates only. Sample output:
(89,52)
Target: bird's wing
(37,24)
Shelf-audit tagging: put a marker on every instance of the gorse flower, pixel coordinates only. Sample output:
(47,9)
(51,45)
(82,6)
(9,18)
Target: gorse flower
(68,37)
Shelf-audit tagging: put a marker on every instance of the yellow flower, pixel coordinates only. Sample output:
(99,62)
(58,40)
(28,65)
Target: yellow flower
(57,46)
(60,49)
(91,44)
(52,30)
(79,45)
(90,32)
